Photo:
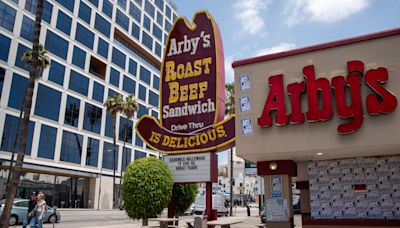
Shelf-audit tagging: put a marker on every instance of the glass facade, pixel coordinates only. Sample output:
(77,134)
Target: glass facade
(90,60)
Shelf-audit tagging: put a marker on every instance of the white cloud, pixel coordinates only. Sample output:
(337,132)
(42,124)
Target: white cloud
(248,12)
(275,49)
(297,11)
(229,74)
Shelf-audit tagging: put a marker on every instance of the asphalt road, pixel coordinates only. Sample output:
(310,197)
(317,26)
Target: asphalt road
(76,218)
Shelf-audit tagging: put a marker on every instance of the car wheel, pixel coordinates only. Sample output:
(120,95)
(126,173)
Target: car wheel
(52,218)
(13,220)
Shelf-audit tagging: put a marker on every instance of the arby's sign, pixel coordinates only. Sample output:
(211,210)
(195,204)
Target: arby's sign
(345,91)
(192,94)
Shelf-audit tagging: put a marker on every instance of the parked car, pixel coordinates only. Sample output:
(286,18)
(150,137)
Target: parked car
(218,203)
(20,209)
(190,210)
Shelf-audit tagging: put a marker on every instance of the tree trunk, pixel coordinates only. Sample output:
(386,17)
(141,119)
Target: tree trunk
(114,152)
(231,185)
(33,75)
(123,152)
(145,222)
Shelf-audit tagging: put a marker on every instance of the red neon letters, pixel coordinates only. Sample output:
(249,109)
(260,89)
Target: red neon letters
(319,97)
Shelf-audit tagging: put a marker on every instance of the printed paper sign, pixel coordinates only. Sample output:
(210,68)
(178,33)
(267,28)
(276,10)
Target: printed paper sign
(244,82)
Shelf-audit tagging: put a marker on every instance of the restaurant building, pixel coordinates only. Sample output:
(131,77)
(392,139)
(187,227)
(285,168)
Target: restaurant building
(325,116)
(97,48)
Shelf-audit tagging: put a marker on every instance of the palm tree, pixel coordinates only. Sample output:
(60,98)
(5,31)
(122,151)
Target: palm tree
(114,105)
(37,63)
(130,107)
(230,109)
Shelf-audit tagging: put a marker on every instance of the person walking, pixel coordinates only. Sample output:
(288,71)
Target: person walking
(41,209)
(30,218)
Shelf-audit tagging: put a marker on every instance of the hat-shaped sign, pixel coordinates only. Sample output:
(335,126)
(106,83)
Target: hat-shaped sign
(192,101)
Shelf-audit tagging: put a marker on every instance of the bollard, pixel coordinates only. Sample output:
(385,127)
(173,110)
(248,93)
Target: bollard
(197,222)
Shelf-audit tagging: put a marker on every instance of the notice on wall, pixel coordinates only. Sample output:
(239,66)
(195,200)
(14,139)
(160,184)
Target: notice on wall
(188,168)
(276,186)
(277,210)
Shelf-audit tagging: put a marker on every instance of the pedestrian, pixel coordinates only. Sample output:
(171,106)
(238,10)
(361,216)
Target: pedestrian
(41,209)
(30,218)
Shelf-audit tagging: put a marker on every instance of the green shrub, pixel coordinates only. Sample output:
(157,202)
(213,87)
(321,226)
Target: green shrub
(184,194)
(147,188)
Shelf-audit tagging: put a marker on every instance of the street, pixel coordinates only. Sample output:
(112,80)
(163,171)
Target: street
(77,218)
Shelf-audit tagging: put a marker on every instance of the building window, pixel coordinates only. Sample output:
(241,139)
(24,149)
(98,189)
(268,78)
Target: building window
(18,61)
(97,68)
(98,92)
(147,40)
(17,91)
(7,16)
(168,12)
(139,154)
(118,58)
(2,75)
(92,118)
(78,83)
(167,26)
(5,47)
(135,12)
(160,19)
(94,2)
(68,4)
(142,111)
(72,111)
(129,85)
(107,8)
(125,125)
(135,31)
(140,2)
(157,32)
(79,57)
(108,156)
(71,147)
(154,114)
(102,25)
(142,93)
(48,103)
(56,45)
(30,5)
(156,82)
(56,73)
(146,22)
(111,93)
(174,16)
(157,49)
(138,141)
(122,20)
(149,8)
(85,12)
(92,152)
(145,75)
(84,36)
(64,23)
(132,67)
(153,98)
(27,28)
(11,125)
(109,127)
(114,77)
(127,156)
(159,4)
(102,48)
(122,3)
(47,142)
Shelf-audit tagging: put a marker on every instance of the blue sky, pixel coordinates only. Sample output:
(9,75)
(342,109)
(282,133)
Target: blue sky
(256,27)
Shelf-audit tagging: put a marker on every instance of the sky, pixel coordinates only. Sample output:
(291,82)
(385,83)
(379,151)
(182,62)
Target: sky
(251,28)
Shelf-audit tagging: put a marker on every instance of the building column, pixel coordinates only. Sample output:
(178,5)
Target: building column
(278,191)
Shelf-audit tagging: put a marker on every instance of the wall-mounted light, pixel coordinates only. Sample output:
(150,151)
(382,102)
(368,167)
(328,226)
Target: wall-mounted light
(319,153)
(273,165)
